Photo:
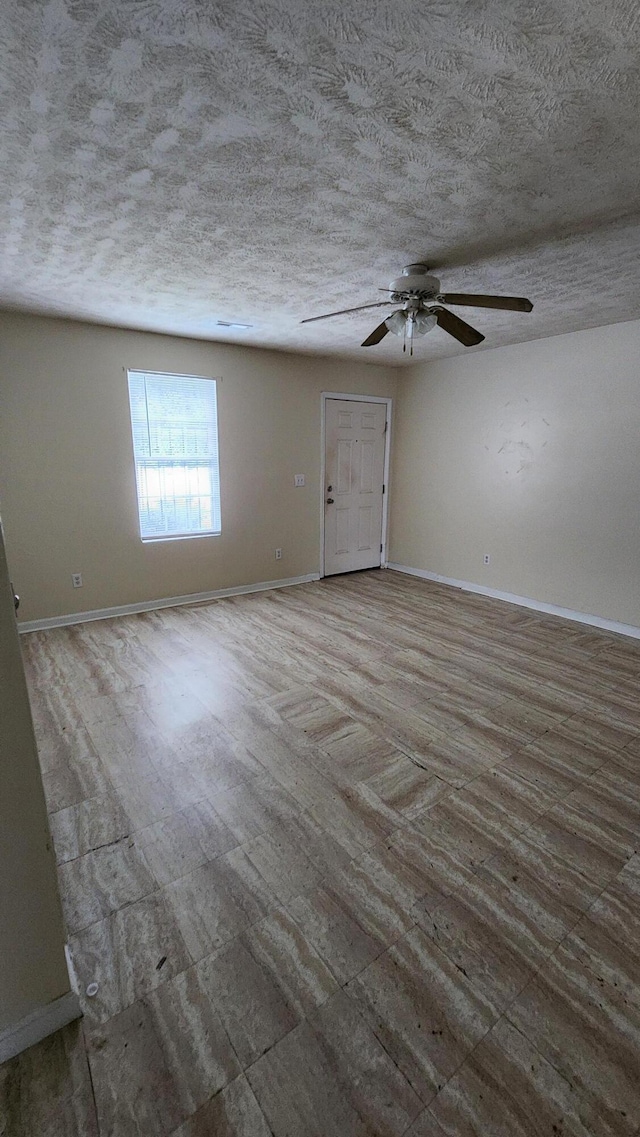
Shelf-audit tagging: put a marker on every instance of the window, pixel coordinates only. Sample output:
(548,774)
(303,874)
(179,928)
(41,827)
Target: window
(174,422)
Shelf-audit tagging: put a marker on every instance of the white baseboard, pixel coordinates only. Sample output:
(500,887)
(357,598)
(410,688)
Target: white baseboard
(524,601)
(38,1024)
(71,968)
(168,602)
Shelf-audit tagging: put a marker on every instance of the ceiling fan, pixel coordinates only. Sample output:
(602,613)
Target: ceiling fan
(421,299)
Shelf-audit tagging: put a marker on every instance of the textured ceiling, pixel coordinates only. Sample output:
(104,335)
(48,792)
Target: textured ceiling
(169,163)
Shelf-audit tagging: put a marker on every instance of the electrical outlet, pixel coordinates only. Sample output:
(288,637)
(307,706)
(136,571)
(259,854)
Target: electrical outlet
(278,554)
(76,578)
(486,559)
(298,479)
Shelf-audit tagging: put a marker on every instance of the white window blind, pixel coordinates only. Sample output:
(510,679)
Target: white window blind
(174,421)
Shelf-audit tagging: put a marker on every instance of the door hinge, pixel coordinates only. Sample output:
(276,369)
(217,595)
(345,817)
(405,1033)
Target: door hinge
(383,487)
(386,423)
(381,548)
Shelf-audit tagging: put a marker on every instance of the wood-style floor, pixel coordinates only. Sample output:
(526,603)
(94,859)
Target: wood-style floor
(357,857)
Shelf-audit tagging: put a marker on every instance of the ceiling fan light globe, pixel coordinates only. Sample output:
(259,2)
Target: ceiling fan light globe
(424,322)
(396,322)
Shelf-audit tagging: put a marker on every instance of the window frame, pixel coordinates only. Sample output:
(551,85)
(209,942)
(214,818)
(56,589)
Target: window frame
(160,538)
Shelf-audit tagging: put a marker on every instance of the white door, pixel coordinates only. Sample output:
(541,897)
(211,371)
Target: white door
(354,472)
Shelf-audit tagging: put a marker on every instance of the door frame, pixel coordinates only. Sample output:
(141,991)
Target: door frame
(385,475)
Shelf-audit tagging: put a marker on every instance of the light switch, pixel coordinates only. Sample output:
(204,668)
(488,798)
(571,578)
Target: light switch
(298,479)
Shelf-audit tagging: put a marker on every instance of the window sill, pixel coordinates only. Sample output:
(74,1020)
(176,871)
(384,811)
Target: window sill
(179,537)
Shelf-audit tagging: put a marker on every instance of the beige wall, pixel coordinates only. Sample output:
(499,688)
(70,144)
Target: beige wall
(33,970)
(67,489)
(530,453)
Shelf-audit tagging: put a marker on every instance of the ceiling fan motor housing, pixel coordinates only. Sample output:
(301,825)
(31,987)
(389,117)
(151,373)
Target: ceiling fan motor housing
(415,284)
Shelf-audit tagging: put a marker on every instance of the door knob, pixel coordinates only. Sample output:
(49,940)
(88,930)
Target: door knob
(329,501)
